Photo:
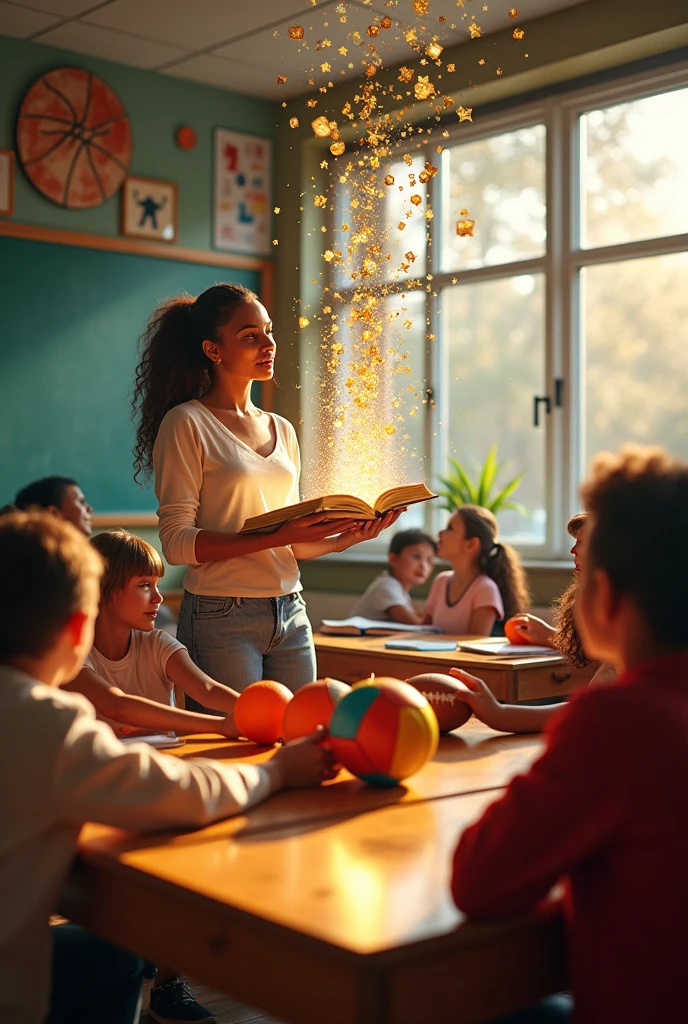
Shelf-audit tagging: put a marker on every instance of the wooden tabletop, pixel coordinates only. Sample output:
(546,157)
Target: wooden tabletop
(342,890)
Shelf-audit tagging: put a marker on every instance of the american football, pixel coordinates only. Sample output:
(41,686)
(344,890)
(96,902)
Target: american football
(440,692)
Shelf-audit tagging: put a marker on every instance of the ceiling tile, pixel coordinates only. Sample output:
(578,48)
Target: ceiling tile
(196,25)
(98,42)
(21,23)
(64,8)
(227,74)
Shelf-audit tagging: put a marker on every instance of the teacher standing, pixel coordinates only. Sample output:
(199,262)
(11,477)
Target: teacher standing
(218,459)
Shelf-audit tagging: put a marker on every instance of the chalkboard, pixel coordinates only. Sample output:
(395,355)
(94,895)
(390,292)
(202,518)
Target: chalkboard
(69,322)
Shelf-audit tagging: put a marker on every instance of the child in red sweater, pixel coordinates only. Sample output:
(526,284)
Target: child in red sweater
(602,807)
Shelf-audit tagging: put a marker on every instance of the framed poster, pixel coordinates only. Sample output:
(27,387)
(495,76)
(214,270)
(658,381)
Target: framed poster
(149,209)
(6,182)
(242,192)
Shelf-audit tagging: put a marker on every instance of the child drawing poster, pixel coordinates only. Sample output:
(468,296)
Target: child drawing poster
(243,167)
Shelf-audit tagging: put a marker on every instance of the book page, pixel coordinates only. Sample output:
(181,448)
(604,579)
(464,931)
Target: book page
(397,497)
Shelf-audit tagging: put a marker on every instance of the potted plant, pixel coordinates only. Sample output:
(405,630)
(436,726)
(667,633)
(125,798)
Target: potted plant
(459,489)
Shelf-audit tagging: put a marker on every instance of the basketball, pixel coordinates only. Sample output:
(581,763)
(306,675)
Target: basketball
(312,706)
(383,731)
(259,711)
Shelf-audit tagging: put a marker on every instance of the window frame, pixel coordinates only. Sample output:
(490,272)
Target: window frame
(561,264)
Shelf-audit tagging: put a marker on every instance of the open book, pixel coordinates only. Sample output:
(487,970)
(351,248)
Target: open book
(497,645)
(359,626)
(340,506)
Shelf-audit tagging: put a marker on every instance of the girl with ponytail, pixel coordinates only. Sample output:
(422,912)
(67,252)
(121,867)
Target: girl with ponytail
(486,582)
(217,459)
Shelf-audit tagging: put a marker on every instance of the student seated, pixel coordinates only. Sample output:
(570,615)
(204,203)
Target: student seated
(61,496)
(64,768)
(563,637)
(131,671)
(486,582)
(411,557)
(601,809)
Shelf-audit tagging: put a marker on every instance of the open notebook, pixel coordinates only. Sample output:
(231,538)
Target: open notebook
(160,740)
(498,646)
(359,626)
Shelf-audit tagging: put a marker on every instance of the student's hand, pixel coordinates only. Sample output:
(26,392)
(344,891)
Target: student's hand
(534,630)
(368,529)
(303,762)
(479,698)
(227,727)
(307,529)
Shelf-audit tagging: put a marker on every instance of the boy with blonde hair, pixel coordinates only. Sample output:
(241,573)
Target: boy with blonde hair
(67,768)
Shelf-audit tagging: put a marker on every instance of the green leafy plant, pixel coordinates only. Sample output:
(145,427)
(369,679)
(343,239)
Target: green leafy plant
(460,489)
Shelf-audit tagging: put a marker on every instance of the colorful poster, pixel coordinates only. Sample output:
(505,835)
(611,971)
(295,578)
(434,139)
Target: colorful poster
(243,208)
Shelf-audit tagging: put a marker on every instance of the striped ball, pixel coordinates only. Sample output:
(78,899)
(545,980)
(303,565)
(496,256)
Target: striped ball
(383,731)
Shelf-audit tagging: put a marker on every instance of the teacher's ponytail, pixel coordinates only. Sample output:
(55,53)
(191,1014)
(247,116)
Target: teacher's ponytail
(173,367)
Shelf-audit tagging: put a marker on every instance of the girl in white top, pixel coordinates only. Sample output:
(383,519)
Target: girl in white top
(486,582)
(218,459)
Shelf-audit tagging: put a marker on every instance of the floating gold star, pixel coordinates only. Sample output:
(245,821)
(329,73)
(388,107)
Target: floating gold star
(325,67)
(518,33)
(311,103)
(343,50)
(424,88)
(277,209)
(474,30)
(324,165)
(405,74)
(481,61)
(465,113)
(451,67)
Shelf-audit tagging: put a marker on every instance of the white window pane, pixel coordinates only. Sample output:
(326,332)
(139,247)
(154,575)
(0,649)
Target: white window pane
(365,430)
(370,229)
(635,316)
(500,181)
(495,344)
(634,170)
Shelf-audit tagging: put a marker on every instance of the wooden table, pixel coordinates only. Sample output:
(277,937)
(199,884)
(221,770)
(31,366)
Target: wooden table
(329,904)
(512,680)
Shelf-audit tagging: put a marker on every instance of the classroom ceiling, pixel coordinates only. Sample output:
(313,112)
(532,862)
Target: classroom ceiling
(242,45)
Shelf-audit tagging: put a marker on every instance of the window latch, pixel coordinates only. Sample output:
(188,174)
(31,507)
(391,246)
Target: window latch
(547,401)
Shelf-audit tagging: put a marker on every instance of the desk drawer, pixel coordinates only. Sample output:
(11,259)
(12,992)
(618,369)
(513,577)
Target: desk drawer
(550,681)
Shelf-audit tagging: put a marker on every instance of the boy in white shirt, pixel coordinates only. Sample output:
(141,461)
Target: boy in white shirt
(131,671)
(66,768)
(411,558)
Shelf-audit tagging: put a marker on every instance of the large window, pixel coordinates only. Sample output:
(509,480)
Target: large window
(559,327)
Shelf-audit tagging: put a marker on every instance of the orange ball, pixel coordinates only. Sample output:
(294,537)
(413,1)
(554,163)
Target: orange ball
(373,680)
(513,635)
(312,706)
(259,711)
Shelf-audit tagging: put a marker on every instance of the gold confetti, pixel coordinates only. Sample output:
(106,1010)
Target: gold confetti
(500,71)
(324,165)
(293,122)
(464,213)
(328,255)
(389,429)
(281,79)
(389,179)
(401,225)
(313,103)
(370,71)
(275,241)
(518,33)
(296,32)
(429,214)
(465,227)
(513,13)
(416,200)
(451,67)
(481,61)
(343,50)
(320,201)
(303,321)
(337,148)
(325,67)
(424,88)
(410,256)
(373,30)
(465,113)
(385,22)
(408,159)
(277,209)
(405,74)
(434,50)
(321,127)
(475,30)
(421,6)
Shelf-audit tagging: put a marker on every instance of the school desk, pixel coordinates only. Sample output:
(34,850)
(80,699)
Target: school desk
(329,905)
(512,680)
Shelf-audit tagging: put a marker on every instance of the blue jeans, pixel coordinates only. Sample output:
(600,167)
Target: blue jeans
(239,640)
(92,980)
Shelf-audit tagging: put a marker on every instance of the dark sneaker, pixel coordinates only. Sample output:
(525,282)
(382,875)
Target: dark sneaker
(173,1003)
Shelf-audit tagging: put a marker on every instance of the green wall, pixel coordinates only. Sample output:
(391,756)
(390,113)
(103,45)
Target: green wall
(157,105)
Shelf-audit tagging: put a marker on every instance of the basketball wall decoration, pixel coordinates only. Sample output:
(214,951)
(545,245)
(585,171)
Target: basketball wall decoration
(74,138)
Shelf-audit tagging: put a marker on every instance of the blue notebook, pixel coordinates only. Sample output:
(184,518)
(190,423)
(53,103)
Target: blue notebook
(421,645)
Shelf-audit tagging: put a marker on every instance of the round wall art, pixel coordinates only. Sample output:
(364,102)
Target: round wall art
(74,138)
